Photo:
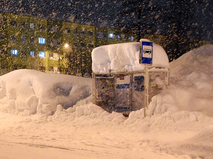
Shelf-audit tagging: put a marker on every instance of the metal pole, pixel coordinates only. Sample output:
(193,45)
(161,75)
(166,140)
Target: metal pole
(146,99)
(131,91)
(94,88)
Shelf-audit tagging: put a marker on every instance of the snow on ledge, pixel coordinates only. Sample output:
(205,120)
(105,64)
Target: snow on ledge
(125,57)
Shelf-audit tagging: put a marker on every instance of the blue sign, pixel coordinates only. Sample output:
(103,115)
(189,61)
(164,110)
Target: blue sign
(122,86)
(146,52)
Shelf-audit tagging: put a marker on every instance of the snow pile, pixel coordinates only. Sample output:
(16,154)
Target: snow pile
(33,92)
(192,77)
(191,85)
(199,61)
(125,57)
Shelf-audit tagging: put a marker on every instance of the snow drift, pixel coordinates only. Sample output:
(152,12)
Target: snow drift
(191,84)
(33,92)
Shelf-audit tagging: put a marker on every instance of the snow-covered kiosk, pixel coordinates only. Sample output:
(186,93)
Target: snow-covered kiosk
(121,81)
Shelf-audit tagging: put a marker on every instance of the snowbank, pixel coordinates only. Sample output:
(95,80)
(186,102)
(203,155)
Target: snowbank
(125,56)
(192,79)
(33,92)
(191,85)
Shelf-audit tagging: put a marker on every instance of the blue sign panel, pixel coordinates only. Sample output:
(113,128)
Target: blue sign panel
(146,52)
(122,86)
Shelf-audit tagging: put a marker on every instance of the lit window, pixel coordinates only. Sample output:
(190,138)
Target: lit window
(111,35)
(41,40)
(32,25)
(42,54)
(14,52)
(32,53)
(118,37)
(131,38)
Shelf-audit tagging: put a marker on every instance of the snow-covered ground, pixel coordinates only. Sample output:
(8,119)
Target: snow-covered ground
(35,122)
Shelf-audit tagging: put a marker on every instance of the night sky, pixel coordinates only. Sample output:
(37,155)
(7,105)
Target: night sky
(101,13)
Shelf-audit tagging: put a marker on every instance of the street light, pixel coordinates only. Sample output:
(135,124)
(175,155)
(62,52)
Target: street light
(66,45)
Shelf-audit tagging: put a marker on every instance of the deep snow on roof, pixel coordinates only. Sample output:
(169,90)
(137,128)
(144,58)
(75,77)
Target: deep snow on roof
(125,57)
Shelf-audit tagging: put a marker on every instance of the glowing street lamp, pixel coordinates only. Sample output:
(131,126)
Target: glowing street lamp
(66,45)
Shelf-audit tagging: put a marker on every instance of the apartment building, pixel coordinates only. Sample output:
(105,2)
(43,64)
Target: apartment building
(51,45)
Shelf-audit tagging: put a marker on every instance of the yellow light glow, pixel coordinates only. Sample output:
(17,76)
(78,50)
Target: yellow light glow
(66,45)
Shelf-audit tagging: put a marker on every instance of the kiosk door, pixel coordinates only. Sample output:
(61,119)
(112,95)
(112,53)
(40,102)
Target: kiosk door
(122,94)
(104,92)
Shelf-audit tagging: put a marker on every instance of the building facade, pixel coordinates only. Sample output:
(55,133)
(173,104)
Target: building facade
(50,45)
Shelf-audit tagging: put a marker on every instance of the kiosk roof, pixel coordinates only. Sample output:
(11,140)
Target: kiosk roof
(125,57)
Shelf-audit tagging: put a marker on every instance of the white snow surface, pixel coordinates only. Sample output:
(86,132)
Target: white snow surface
(179,124)
(34,92)
(125,57)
